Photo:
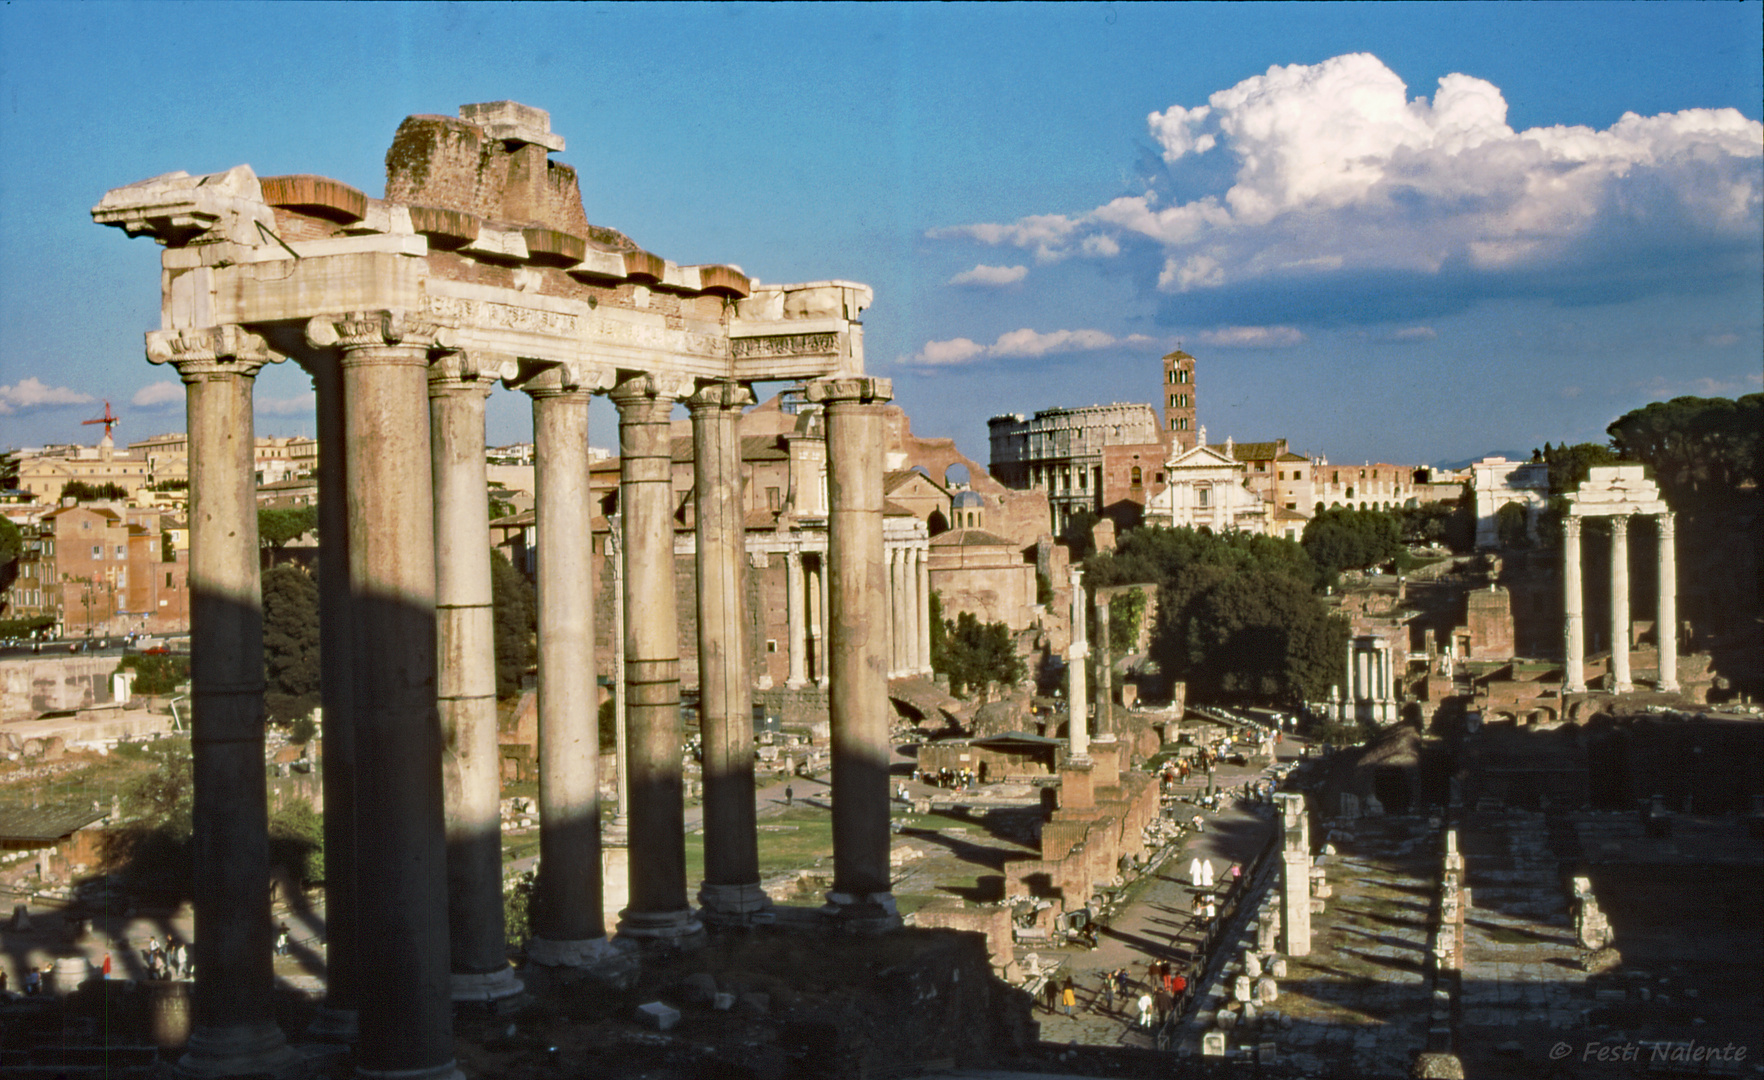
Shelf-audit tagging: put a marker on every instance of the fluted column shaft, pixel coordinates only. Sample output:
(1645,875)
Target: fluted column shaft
(569,921)
(896,611)
(858,651)
(658,906)
(337,1019)
(796,611)
(731,891)
(1620,679)
(1078,691)
(1666,622)
(234,1028)
(466,679)
(401,872)
(1573,610)
(924,612)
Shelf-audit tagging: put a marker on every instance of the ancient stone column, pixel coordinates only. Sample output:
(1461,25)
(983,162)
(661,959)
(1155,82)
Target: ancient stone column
(1105,670)
(1574,615)
(658,910)
(569,926)
(731,893)
(336,1020)
(234,1030)
(1620,680)
(796,611)
(471,762)
(924,610)
(819,617)
(897,615)
(1666,621)
(1295,875)
(401,869)
(1077,693)
(862,895)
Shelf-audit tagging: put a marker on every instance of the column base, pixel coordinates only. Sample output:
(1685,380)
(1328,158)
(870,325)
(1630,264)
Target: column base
(1671,687)
(251,1050)
(449,1071)
(335,1025)
(734,906)
(795,684)
(1623,687)
(594,953)
(488,986)
(870,913)
(661,929)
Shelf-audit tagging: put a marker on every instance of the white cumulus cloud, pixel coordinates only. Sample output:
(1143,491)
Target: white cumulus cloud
(158,395)
(991,275)
(1252,337)
(1335,167)
(288,406)
(1024,342)
(31,393)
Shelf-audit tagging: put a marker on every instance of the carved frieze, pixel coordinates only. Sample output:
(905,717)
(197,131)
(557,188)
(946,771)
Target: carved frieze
(464,311)
(785,345)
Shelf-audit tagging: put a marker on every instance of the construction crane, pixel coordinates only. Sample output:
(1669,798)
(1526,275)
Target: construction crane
(109,420)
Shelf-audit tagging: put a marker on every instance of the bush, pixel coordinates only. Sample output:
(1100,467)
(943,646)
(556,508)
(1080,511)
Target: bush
(297,842)
(157,674)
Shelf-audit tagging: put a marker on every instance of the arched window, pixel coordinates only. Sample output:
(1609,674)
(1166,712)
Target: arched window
(1136,476)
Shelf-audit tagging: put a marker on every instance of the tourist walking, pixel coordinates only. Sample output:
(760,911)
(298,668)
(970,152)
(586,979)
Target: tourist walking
(1207,873)
(1194,870)
(1108,993)
(789,795)
(1067,998)
(1145,1010)
(282,939)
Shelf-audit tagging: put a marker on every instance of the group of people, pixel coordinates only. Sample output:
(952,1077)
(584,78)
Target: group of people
(1161,992)
(172,960)
(947,778)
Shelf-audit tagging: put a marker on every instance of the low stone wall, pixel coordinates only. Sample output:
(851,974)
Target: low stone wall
(43,684)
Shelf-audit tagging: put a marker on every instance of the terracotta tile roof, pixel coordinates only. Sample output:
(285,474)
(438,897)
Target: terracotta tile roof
(970,538)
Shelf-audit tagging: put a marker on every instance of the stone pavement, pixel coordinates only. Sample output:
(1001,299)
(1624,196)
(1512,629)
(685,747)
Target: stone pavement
(1157,922)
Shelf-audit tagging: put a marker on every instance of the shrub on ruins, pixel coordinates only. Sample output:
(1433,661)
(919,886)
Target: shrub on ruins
(150,850)
(11,544)
(297,843)
(161,674)
(290,643)
(277,528)
(80,491)
(976,655)
(514,624)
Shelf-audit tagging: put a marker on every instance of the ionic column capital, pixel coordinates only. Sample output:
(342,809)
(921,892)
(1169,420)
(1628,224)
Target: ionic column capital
(211,353)
(468,372)
(543,378)
(364,329)
(652,388)
(852,390)
(720,395)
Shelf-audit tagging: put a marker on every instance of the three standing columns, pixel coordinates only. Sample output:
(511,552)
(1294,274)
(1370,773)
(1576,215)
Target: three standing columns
(234,1031)
(1666,619)
(459,384)
(658,908)
(401,865)
(862,895)
(568,924)
(731,893)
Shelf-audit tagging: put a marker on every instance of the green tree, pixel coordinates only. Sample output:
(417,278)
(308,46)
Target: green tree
(1346,539)
(975,654)
(292,672)
(514,622)
(1077,535)
(276,529)
(297,842)
(1700,449)
(1569,465)
(11,546)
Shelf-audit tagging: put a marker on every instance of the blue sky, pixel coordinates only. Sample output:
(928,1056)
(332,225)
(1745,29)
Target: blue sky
(1365,259)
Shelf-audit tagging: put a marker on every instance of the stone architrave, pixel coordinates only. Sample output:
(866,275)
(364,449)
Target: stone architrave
(459,385)
(730,893)
(569,926)
(401,870)
(234,1030)
(862,895)
(658,910)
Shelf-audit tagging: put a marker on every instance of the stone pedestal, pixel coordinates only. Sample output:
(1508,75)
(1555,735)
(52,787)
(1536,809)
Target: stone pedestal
(658,910)
(731,893)
(569,926)
(234,1028)
(459,384)
(862,897)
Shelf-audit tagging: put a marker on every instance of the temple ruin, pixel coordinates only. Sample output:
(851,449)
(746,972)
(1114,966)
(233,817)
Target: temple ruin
(478,268)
